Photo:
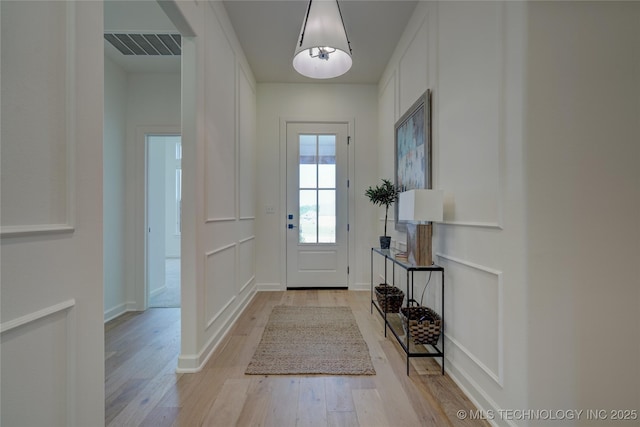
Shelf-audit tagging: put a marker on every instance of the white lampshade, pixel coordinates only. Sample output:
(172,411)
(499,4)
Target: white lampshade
(420,205)
(322,51)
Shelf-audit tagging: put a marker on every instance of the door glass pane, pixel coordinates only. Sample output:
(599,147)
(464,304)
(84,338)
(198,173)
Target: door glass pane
(317,163)
(327,216)
(308,224)
(308,148)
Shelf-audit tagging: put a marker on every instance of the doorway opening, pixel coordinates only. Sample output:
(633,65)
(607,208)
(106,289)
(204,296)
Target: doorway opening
(163,192)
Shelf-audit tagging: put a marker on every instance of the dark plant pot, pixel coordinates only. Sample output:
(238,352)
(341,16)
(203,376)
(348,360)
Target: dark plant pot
(385,242)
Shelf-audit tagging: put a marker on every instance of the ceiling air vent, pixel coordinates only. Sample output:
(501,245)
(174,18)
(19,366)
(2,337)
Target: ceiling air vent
(145,44)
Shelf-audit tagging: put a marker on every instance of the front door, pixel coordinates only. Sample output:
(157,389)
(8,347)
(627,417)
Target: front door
(317,205)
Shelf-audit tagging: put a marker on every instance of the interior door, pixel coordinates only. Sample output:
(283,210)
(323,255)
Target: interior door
(317,205)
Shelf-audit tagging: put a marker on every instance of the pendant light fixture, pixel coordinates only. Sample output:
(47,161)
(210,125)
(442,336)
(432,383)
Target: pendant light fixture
(323,50)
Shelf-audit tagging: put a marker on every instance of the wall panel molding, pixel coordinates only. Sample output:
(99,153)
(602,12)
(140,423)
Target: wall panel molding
(500,138)
(70,324)
(68,225)
(227,219)
(211,312)
(220,312)
(498,377)
(220,105)
(36,315)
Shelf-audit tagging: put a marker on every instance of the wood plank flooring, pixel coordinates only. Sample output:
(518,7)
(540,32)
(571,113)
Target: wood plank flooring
(142,388)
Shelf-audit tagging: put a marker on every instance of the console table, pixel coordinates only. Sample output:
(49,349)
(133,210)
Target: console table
(393,321)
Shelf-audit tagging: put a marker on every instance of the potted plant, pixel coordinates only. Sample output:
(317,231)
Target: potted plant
(383,195)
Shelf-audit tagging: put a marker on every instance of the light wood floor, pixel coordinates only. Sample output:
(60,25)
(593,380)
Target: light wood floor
(142,388)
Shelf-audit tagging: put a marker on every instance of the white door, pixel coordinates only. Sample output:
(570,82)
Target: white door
(317,205)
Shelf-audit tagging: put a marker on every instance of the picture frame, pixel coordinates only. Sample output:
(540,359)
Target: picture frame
(412,134)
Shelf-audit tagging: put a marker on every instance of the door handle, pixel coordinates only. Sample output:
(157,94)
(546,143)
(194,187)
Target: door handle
(290,226)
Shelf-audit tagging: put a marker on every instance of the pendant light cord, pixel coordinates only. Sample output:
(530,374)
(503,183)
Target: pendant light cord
(343,27)
(306,18)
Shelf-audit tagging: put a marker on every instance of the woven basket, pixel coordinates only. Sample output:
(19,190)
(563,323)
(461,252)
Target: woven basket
(389,298)
(424,324)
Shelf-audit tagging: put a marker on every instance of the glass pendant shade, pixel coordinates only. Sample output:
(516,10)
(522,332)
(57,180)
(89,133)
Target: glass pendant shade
(322,51)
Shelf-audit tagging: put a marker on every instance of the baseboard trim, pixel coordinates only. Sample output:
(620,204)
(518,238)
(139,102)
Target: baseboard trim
(360,287)
(270,287)
(119,310)
(477,395)
(192,363)
(155,292)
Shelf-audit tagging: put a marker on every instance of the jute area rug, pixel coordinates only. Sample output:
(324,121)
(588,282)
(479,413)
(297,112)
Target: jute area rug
(311,340)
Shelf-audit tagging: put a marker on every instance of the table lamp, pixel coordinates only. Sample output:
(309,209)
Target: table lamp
(417,206)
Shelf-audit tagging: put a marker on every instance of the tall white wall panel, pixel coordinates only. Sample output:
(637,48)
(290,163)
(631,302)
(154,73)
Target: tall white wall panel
(43,348)
(470,78)
(220,123)
(51,323)
(220,279)
(37,116)
(247,145)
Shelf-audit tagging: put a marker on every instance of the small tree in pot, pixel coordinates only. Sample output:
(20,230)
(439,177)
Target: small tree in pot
(383,195)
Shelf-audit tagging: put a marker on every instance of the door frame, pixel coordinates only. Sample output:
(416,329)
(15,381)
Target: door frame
(350,122)
(141,216)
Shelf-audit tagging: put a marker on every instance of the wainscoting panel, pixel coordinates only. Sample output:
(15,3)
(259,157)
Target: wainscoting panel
(474,324)
(247,145)
(42,344)
(220,131)
(247,265)
(413,70)
(471,174)
(219,281)
(40,88)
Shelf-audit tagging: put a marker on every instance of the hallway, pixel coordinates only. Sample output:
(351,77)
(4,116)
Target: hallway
(142,388)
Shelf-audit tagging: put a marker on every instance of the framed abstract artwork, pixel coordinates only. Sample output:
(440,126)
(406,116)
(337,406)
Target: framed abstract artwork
(413,149)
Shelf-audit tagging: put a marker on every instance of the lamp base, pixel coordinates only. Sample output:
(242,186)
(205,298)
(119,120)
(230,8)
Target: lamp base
(419,244)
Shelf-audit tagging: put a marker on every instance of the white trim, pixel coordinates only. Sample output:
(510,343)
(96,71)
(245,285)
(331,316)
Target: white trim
(493,225)
(247,218)
(465,380)
(220,249)
(119,310)
(194,363)
(30,230)
(141,237)
(219,313)
(351,161)
(36,315)
(68,226)
(251,280)
(157,291)
(497,377)
(270,287)
(246,239)
(227,219)
(360,287)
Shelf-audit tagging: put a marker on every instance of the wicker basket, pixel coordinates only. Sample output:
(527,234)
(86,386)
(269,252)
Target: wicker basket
(424,324)
(389,298)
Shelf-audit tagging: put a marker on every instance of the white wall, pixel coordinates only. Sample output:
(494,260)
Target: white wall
(135,104)
(535,131)
(218,159)
(52,347)
(153,107)
(115,107)
(583,204)
(459,50)
(315,102)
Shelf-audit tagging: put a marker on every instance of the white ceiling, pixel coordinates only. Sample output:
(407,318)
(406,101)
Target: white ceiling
(268,30)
